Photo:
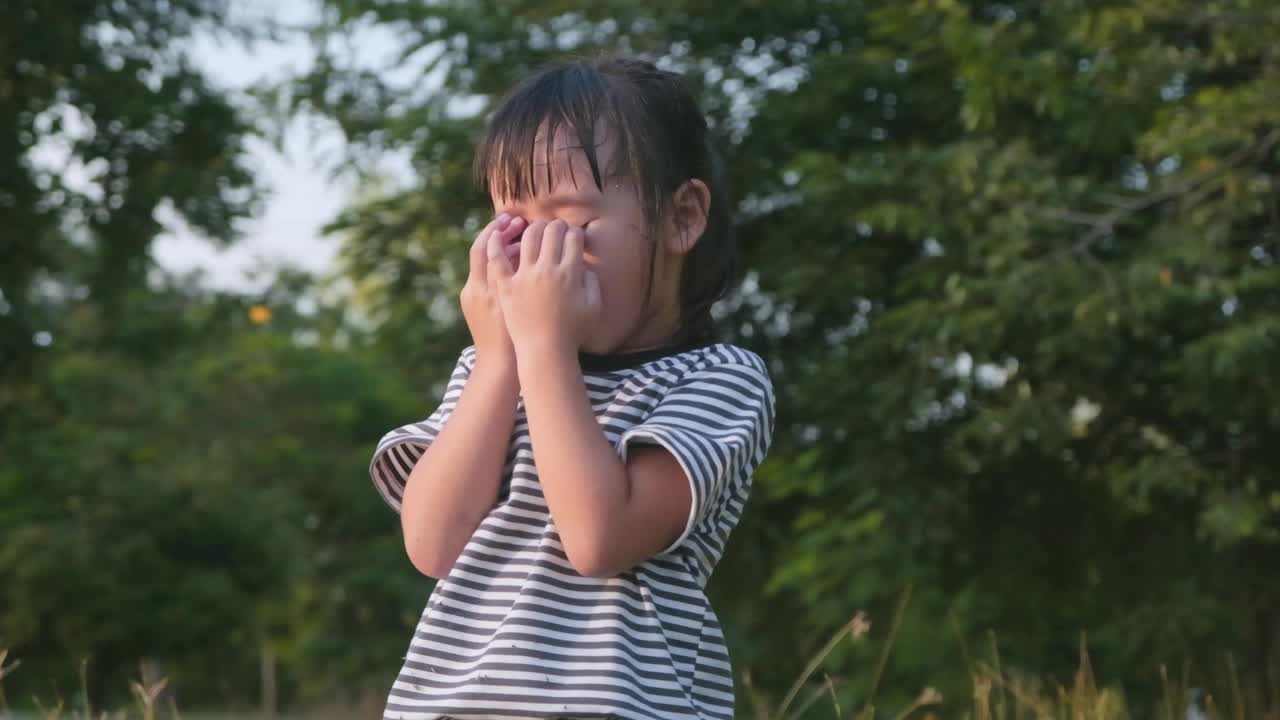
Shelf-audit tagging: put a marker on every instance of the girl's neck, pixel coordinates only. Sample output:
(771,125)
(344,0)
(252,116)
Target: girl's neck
(655,330)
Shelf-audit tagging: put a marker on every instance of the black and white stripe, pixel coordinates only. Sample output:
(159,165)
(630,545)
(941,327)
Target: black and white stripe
(516,632)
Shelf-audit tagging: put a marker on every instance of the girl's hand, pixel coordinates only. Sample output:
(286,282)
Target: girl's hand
(551,300)
(480,305)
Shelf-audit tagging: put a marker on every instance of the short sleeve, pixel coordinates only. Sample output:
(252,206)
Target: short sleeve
(398,451)
(718,423)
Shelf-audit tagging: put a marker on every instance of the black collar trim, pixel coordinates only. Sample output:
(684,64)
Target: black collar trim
(609,362)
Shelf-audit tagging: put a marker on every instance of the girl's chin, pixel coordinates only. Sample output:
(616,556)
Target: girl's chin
(595,345)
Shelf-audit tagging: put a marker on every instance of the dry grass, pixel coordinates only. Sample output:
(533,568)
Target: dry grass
(1002,694)
(151,703)
(145,695)
(998,694)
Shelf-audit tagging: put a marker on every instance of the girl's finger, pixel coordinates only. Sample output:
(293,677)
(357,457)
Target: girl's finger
(552,242)
(480,248)
(513,229)
(591,291)
(531,243)
(511,240)
(575,241)
(498,266)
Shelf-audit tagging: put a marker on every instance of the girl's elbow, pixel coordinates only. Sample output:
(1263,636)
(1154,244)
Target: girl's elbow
(431,565)
(597,570)
(591,559)
(429,558)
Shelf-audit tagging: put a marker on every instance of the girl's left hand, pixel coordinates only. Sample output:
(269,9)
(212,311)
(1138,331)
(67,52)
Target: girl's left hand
(551,300)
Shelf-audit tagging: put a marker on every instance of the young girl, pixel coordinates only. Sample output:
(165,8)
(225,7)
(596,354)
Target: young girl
(593,449)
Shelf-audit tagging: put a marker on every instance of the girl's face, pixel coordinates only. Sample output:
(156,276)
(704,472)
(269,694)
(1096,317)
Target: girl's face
(617,248)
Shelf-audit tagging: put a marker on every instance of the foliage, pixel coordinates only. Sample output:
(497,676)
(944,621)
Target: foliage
(1013,266)
(105,129)
(200,505)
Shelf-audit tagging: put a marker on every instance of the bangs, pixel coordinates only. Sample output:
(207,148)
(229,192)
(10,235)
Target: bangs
(521,139)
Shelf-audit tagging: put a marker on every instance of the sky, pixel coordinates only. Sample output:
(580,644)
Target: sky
(301,195)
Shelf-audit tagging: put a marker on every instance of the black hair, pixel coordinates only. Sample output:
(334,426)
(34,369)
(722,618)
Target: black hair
(661,141)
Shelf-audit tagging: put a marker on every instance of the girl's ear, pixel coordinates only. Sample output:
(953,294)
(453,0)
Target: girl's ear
(690,206)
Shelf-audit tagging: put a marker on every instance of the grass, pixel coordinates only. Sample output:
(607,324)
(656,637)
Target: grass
(998,694)
(1006,695)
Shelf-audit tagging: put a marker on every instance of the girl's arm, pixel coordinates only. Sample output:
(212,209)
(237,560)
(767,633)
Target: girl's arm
(611,516)
(456,481)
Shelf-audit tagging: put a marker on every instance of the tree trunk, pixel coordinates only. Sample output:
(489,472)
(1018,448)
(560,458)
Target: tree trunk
(267,674)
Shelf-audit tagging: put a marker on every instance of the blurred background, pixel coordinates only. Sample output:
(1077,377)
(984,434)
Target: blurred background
(1013,266)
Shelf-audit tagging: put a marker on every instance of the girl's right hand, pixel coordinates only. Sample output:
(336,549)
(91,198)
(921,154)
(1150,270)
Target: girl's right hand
(480,306)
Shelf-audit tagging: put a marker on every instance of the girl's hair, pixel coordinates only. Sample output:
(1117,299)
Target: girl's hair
(661,140)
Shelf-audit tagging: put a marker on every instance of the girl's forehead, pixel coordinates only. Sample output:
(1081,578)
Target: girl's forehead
(553,162)
(561,170)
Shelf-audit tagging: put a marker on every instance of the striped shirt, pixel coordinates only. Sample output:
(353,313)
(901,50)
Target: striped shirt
(515,632)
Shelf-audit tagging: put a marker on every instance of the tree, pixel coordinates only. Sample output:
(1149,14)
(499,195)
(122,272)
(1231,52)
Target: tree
(202,508)
(104,126)
(1013,266)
